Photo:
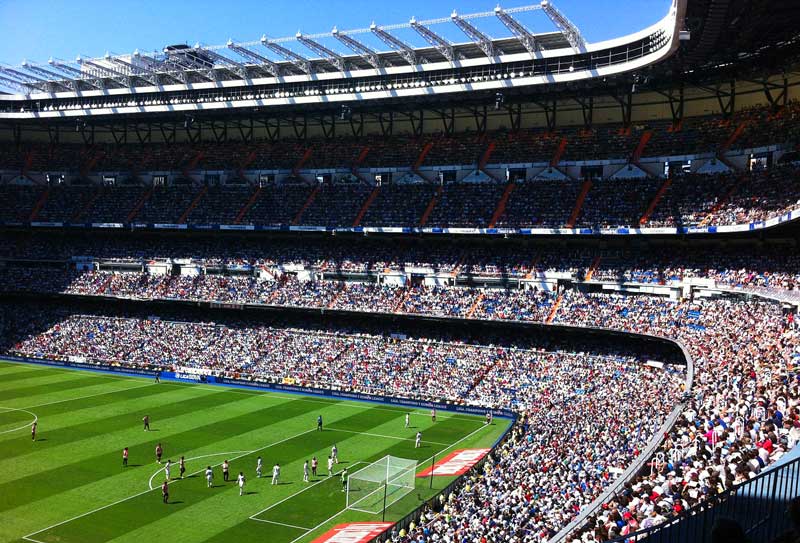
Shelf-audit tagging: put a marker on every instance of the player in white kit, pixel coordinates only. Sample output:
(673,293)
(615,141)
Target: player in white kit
(305,471)
(259,466)
(210,476)
(418,443)
(408,417)
(330,466)
(276,474)
(241,481)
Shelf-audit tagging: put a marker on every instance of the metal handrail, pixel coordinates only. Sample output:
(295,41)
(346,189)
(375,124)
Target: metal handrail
(765,483)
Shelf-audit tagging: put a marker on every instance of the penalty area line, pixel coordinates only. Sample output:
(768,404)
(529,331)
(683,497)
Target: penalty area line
(324,522)
(309,487)
(283,524)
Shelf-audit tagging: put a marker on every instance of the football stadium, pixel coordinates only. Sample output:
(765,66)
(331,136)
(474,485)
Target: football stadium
(475,277)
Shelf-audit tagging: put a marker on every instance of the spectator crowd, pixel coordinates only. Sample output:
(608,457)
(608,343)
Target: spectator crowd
(741,413)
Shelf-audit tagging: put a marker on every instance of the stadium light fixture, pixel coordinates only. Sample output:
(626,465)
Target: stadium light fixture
(404,50)
(569,30)
(525,37)
(480,39)
(334,59)
(300,61)
(370,56)
(262,61)
(499,100)
(441,44)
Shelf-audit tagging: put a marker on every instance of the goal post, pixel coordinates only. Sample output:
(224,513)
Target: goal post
(380,484)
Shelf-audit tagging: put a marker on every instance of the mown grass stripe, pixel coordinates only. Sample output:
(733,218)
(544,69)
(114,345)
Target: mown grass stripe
(22,374)
(125,411)
(300,422)
(79,469)
(54,383)
(35,402)
(204,516)
(34,382)
(8,367)
(199,505)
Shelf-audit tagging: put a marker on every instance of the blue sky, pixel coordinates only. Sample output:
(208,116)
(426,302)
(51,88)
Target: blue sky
(36,30)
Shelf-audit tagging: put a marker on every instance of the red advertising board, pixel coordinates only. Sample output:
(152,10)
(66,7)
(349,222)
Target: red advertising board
(354,532)
(456,463)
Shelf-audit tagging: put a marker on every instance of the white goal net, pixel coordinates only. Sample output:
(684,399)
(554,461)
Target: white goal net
(381,484)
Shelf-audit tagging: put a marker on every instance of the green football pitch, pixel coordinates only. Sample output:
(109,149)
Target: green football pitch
(69,486)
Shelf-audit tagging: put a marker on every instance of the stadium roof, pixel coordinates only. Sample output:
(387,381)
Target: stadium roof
(284,56)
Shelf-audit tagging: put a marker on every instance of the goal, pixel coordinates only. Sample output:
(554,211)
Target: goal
(382,483)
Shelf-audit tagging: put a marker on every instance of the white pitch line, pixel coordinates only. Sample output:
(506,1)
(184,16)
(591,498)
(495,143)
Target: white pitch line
(28,537)
(89,396)
(281,524)
(388,437)
(287,498)
(150,482)
(99,373)
(27,425)
(426,460)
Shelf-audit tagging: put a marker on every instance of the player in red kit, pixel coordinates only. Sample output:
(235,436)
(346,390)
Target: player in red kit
(159,452)
(125,457)
(165,491)
(33,431)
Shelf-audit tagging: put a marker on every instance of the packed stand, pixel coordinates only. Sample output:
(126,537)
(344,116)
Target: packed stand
(399,205)
(745,355)
(468,205)
(540,204)
(761,196)
(617,202)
